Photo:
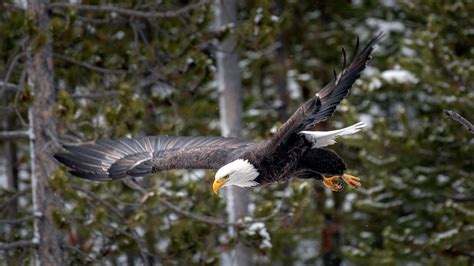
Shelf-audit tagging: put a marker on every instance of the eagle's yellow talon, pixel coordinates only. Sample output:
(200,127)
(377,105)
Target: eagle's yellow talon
(331,183)
(351,180)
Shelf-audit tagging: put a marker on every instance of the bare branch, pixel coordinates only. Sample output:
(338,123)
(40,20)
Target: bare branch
(20,220)
(198,217)
(7,109)
(100,201)
(15,6)
(141,243)
(458,118)
(90,20)
(17,134)
(17,97)
(463,198)
(82,253)
(212,220)
(119,214)
(18,244)
(10,70)
(12,198)
(89,66)
(131,12)
(176,209)
(8,86)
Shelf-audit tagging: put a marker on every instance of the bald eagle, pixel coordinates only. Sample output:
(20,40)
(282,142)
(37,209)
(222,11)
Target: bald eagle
(293,151)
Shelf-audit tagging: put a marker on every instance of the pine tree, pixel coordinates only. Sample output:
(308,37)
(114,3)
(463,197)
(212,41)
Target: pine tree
(415,204)
(139,70)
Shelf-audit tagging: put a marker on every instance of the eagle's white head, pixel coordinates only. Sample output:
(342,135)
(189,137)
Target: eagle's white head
(238,173)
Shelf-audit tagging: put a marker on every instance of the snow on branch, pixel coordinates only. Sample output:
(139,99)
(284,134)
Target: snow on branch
(458,118)
(130,12)
(18,244)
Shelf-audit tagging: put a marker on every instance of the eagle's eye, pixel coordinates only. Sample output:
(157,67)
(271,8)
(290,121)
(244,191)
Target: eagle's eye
(226,177)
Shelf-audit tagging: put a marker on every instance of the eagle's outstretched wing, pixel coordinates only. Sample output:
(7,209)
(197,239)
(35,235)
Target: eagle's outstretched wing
(322,105)
(113,159)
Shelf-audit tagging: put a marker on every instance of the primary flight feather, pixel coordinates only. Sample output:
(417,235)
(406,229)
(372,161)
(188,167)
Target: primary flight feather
(294,151)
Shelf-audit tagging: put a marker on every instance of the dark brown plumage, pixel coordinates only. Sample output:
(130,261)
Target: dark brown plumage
(289,153)
(114,159)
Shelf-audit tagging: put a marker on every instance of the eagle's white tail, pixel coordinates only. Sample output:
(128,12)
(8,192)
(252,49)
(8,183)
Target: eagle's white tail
(325,138)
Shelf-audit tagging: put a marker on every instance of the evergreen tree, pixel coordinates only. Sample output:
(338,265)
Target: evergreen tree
(147,68)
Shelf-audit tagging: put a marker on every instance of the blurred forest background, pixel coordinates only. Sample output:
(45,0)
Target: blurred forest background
(84,70)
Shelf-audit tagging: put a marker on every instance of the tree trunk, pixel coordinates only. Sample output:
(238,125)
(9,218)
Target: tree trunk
(11,172)
(280,75)
(331,236)
(230,108)
(43,131)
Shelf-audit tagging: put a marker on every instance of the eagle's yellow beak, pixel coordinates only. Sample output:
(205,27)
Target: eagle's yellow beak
(218,183)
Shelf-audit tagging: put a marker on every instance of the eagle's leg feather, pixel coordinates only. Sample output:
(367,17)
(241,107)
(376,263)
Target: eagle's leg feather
(333,183)
(351,180)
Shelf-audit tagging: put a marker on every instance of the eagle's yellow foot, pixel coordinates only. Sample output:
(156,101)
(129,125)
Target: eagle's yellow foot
(333,183)
(351,180)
